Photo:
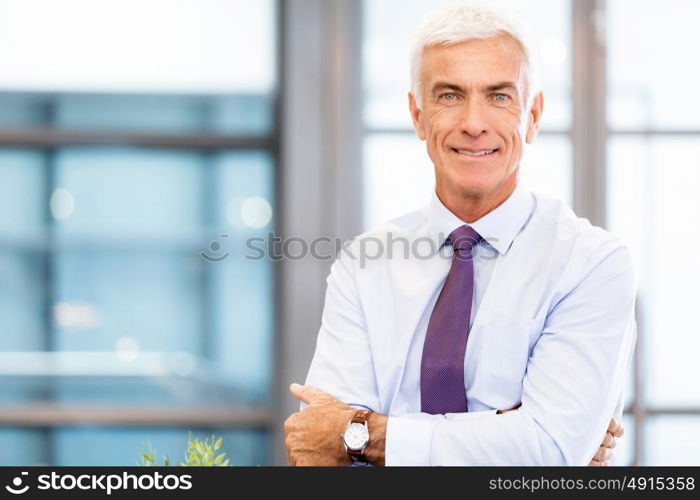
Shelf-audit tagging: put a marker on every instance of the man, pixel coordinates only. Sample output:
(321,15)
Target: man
(508,342)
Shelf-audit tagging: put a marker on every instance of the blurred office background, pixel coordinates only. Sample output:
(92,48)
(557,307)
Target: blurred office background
(143,142)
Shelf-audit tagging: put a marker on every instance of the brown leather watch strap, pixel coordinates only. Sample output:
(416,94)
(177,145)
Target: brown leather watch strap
(360,416)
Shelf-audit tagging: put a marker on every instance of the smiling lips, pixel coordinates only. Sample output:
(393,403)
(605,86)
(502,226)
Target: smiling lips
(474,152)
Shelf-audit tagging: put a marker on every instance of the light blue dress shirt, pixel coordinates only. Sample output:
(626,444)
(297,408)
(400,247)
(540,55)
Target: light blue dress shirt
(552,327)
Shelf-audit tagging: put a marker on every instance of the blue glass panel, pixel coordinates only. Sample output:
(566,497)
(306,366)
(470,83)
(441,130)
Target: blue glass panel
(135,113)
(21,295)
(242,289)
(21,192)
(102,447)
(22,111)
(125,192)
(202,387)
(240,176)
(244,322)
(182,381)
(244,114)
(131,302)
(20,389)
(21,447)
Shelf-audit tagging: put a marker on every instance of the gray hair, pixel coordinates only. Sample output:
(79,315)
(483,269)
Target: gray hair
(461,23)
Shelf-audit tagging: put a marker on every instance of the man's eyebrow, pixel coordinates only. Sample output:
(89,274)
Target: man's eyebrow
(502,86)
(446,86)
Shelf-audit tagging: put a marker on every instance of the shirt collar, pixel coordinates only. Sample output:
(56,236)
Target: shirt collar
(498,227)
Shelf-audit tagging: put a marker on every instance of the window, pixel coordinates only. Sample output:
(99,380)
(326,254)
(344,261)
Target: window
(653,171)
(132,169)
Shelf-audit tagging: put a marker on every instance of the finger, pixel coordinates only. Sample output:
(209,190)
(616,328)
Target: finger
(307,393)
(620,432)
(603,454)
(607,440)
(614,426)
(597,463)
(612,443)
(288,425)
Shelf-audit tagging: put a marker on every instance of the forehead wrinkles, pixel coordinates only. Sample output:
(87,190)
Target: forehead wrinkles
(475,63)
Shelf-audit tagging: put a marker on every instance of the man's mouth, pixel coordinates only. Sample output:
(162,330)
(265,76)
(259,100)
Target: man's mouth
(470,152)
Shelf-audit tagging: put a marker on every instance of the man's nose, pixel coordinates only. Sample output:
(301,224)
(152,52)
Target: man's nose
(473,120)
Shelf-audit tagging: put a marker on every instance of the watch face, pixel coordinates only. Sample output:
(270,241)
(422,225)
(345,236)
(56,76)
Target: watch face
(356,436)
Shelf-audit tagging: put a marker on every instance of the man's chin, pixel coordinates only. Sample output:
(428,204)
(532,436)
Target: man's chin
(474,186)
(474,182)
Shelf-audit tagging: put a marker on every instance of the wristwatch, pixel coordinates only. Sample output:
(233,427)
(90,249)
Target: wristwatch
(356,435)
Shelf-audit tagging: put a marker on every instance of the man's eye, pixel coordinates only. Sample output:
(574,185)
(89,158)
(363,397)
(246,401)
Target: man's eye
(501,98)
(448,96)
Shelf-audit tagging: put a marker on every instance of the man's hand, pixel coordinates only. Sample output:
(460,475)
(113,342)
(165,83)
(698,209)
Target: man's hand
(605,451)
(313,435)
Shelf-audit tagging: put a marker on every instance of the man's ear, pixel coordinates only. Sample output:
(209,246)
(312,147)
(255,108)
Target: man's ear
(534,117)
(416,116)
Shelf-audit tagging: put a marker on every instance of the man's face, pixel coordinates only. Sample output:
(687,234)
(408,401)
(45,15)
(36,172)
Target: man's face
(474,116)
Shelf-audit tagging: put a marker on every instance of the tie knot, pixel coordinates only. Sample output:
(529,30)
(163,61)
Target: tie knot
(464,238)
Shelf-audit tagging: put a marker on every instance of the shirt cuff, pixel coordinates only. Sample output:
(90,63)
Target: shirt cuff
(408,441)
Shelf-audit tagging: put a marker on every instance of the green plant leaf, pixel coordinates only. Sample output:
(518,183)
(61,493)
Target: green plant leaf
(198,453)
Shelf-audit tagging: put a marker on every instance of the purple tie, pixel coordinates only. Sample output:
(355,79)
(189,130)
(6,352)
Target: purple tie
(442,367)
